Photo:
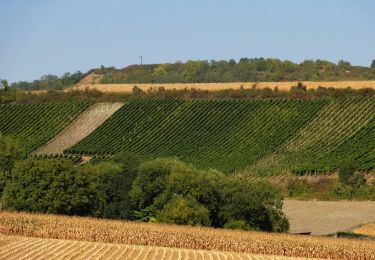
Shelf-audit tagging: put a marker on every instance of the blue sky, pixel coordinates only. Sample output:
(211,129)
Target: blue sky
(50,36)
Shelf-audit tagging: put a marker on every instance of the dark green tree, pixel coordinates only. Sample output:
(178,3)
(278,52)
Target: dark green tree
(48,186)
(151,181)
(346,170)
(252,205)
(10,152)
(113,183)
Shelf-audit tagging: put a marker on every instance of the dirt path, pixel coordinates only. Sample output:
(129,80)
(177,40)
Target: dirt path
(327,217)
(85,124)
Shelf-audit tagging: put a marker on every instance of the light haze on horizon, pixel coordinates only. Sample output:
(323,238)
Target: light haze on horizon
(53,37)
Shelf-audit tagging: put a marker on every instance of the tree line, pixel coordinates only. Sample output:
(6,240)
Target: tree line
(245,70)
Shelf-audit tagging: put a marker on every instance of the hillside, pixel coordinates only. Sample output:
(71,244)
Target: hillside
(85,124)
(262,137)
(212,75)
(35,124)
(244,70)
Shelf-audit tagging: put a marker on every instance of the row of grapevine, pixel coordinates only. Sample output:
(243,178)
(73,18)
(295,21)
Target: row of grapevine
(327,140)
(35,124)
(221,134)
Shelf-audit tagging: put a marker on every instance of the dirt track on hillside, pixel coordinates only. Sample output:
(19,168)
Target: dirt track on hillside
(327,217)
(85,124)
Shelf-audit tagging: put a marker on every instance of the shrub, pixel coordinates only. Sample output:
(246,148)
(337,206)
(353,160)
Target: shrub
(297,187)
(342,191)
(180,210)
(237,224)
(357,180)
(347,170)
(257,203)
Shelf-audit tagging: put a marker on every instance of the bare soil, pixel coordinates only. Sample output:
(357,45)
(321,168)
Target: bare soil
(327,217)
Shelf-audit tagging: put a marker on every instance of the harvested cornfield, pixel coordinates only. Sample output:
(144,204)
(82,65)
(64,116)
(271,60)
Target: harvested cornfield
(183,237)
(284,86)
(16,247)
(367,230)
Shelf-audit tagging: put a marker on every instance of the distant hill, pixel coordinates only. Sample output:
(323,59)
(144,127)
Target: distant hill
(245,70)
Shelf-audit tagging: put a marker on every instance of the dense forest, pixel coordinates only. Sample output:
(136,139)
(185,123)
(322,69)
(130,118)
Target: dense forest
(244,70)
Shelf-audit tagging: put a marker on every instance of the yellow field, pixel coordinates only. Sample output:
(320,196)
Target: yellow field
(91,82)
(16,247)
(368,230)
(182,237)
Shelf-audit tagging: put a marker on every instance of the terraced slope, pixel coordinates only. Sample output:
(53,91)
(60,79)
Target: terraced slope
(85,124)
(16,247)
(226,135)
(35,124)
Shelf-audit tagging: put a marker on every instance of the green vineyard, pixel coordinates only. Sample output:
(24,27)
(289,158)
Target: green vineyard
(268,137)
(342,130)
(35,124)
(259,137)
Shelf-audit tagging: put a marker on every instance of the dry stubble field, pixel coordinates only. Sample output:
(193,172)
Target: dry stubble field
(367,230)
(17,247)
(182,237)
(89,83)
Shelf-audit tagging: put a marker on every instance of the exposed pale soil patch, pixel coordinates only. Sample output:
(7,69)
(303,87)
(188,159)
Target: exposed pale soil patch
(85,124)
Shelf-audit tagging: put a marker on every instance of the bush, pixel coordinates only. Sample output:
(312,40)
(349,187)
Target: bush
(182,211)
(237,224)
(297,187)
(151,181)
(10,152)
(342,191)
(347,170)
(257,203)
(357,180)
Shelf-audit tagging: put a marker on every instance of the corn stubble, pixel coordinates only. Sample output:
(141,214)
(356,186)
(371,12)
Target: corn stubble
(153,234)
(16,247)
(367,230)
